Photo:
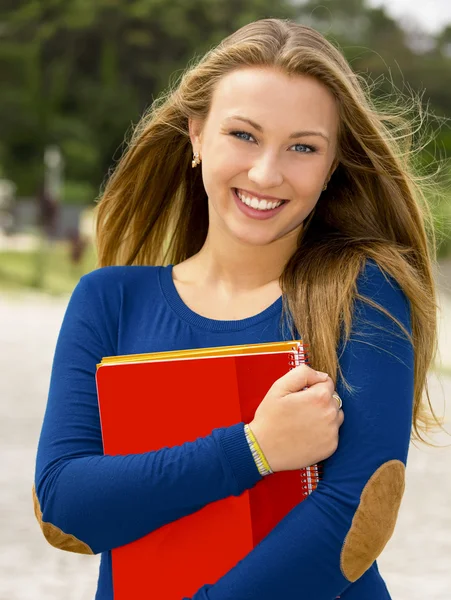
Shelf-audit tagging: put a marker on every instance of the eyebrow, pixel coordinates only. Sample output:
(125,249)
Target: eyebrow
(296,134)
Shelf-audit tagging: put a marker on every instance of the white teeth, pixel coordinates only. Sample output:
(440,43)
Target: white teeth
(255,203)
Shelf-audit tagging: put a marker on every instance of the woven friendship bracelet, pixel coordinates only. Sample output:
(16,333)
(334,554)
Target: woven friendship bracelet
(257,453)
(256,456)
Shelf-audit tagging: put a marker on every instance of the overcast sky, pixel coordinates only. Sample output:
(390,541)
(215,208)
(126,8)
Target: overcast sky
(433,15)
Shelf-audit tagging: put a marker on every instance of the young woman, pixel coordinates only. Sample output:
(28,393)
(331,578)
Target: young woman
(263,185)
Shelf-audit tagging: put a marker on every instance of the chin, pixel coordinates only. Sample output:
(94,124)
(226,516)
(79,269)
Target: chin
(255,238)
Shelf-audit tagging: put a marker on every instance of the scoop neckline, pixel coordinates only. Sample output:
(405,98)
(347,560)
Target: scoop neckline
(187,314)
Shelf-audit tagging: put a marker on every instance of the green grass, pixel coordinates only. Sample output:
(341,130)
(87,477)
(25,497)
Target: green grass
(49,270)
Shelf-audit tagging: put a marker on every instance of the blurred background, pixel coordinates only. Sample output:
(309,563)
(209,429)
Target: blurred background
(76,76)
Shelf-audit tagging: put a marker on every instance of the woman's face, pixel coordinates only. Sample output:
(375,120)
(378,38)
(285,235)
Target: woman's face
(269,136)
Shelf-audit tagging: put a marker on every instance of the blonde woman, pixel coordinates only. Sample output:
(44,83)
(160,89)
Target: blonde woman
(261,197)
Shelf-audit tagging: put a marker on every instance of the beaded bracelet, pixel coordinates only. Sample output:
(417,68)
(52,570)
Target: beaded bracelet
(257,452)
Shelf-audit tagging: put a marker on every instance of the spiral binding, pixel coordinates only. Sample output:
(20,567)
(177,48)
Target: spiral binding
(311,475)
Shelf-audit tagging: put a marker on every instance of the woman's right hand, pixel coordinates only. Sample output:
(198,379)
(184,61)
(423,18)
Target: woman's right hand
(297,427)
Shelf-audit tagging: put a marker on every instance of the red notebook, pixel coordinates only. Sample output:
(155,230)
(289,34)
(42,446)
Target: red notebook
(195,391)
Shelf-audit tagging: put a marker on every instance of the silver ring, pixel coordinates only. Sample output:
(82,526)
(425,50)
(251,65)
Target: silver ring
(338,399)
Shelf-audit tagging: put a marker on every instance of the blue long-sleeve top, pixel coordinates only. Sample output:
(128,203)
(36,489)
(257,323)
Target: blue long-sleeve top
(328,544)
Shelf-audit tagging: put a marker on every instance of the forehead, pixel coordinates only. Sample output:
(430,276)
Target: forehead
(271,97)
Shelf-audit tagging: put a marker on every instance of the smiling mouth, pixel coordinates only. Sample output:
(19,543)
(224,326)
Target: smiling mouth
(264,204)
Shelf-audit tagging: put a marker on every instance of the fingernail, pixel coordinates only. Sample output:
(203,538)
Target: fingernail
(322,375)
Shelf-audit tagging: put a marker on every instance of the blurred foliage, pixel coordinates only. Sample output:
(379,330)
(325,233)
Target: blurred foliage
(441,212)
(78,192)
(79,74)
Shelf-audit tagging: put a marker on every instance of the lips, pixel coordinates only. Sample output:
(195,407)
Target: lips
(262,204)
(259,215)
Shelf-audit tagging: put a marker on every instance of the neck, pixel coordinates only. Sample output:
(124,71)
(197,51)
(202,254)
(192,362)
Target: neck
(239,267)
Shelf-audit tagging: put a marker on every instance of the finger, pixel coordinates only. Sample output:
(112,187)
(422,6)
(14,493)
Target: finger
(320,392)
(300,377)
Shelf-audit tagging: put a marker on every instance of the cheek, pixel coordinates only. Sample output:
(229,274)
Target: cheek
(222,169)
(307,179)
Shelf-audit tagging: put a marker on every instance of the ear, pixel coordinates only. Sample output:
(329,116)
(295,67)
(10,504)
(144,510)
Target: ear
(195,133)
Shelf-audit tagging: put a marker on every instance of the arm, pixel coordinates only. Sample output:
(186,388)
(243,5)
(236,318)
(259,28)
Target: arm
(87,502)
(334,536)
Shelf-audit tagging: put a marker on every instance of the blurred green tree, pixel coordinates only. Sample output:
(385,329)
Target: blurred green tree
(79,74)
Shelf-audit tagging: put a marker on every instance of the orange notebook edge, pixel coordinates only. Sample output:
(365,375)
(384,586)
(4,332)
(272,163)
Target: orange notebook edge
(267,347)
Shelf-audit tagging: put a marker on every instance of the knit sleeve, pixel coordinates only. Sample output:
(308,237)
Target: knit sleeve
(329,543)
(89,503)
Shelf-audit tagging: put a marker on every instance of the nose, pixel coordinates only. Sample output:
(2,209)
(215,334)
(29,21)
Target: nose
(265,172)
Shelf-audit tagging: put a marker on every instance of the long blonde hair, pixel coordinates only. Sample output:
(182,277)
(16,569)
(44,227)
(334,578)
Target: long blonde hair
(153,210)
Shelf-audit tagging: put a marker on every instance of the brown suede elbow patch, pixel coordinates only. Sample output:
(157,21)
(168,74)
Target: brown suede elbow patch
(56,537)
(374,520)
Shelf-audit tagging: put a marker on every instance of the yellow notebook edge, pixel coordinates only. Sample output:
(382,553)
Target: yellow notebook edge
(267,347)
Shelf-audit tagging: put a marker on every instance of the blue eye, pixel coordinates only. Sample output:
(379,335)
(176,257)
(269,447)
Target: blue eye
(307,149)
(238,133)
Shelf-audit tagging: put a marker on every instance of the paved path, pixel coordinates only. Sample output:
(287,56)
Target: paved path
(416,562)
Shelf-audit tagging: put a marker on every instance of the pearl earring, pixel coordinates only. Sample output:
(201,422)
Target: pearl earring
(196,160)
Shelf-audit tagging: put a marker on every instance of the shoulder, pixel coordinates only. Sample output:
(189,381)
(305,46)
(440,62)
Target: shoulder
(382,311)
(115,282)
(378,286)
(107,277)
(105,290)
(104,297)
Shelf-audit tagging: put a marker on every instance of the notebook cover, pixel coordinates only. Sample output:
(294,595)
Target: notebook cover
(191,396)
